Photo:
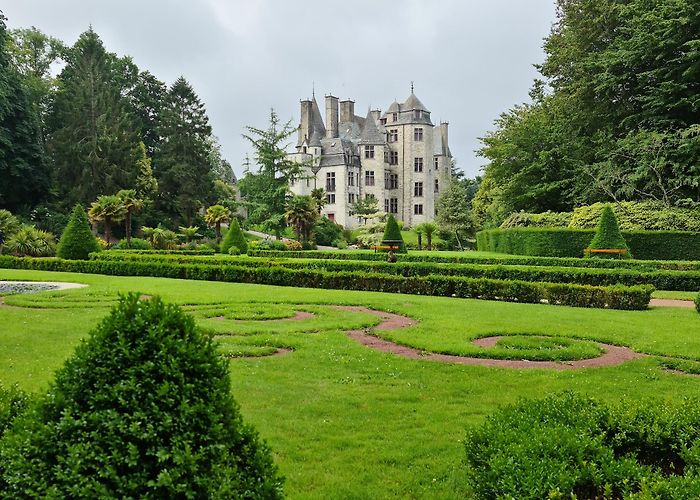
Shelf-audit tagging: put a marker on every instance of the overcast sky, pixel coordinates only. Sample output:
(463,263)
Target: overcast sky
(470,59)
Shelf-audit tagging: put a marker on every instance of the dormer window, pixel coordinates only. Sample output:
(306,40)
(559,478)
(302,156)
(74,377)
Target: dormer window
(303,149)
(383,121)
(418,114)
(394,117)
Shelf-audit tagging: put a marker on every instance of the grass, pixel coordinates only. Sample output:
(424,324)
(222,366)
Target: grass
(345,421)
(672,294)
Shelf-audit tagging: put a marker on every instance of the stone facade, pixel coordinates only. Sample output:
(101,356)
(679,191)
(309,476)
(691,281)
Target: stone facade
(398,156)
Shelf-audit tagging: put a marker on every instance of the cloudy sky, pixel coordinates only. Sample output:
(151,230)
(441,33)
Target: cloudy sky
(470,59)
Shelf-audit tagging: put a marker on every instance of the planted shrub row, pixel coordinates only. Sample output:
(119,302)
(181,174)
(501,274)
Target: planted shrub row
(664,280)
(506,260)
(561,242)
(188,251)
(615,297)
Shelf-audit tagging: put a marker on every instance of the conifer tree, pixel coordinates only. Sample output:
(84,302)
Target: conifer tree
(608,235)
(77,240)
(234,238)
(392,232)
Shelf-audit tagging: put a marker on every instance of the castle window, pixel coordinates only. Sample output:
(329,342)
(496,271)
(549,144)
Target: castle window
(330,183)
(391,181)
(386,206)
(304,149)
(394,117)
(418,164)
(393,157)
(437,185)
(394,206)
(418,189)
(418,209)
(418,113)
(436,162)
(351,198)
(351,179)
(369,151)
(369,177)
(330,198)
(393,134)
(418,134)
(383,121)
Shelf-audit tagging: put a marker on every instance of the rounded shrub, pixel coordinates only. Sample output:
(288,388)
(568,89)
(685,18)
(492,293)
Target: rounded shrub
(234,237)
(569,446)
(136,244)
(392,232)
(608,235)
(233,250)
(77,240)
(143,409)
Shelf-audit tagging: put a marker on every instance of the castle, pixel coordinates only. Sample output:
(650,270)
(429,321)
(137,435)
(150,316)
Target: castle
(398,156)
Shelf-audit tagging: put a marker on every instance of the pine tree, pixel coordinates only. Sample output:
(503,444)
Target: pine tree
(608,235)
(92,139)
(182,163)
(234,238)
(392,233)
(77,240)
(23,173)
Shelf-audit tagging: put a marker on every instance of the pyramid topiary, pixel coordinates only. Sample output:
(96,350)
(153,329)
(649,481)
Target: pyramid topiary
(77,240)
(143,409)
(608,236)
(234,238)
(392,232)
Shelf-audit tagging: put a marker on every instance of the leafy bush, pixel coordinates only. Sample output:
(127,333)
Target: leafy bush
(639,216)
(13,402)
(327,233)
(31,242)
(568,446)
(545,219)
(234,237)
(554,242)
(77,240)
(136,244)
(697,302)
(608,236)
(392,232)
(142,409)
(293,245)
(233,250)
(9,225)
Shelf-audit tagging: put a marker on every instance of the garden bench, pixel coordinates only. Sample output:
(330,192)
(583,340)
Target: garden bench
(613,251)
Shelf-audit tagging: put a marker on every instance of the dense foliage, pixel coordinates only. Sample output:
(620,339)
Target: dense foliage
(234,238)
(607,235)
(568,446)
(614,118)
(392,233)
(142,409)
(77,240)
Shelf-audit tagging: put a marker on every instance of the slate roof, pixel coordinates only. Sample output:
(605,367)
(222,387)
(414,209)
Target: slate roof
(370,133)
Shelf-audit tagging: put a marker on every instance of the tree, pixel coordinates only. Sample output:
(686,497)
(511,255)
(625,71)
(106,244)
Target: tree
(301,214)
(91,136)
(608,235)
(31,242)
(190,232)
(77,240)
(107,209)
(429,229)
(23,168)
(319,197)
(146,183)
(234,238)
(392,233)
(182,165)
(265,191)
(419,232)
(366,208)
(131,204)
(453,212)
(215,216)
(143,409)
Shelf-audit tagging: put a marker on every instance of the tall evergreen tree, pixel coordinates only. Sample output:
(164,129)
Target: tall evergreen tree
(22,167)
(93,141)
(182,165)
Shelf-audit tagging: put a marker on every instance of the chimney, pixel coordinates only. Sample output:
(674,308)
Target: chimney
(443,133)
(347,111)
(331,116)
(375,113)
(305,124)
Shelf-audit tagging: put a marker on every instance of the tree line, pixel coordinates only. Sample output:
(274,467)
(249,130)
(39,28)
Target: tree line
(614,116)
(99,126)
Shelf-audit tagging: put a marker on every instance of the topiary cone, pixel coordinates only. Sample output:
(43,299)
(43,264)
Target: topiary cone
(234,238)
(77,240)
(608,235)
(392,232)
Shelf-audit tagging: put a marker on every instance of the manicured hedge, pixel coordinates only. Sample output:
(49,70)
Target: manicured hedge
(568,446)
(189,251)
(506,260)
(556,242)
(664,280)
(616,297)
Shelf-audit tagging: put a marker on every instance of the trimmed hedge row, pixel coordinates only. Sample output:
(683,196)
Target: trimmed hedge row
(615,297)
(189,251)
(664,280)
(506,260)
(559,242)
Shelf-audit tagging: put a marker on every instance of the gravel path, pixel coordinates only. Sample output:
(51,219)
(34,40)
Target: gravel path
(672,303)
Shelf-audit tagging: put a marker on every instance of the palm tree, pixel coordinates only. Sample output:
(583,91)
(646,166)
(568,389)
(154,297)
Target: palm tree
(419,232)
(215,216)
(319,197)
(190,233)
(132,204)
(301,214)
(429,229)
(148,233)
(107,209)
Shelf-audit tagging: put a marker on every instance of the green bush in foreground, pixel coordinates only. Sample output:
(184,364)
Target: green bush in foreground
(568,446)
(608,236)
(234,238)
(142,410)
(77,240)
(392,232)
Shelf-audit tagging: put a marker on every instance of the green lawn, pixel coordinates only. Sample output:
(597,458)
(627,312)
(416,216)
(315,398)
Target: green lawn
(345,421)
